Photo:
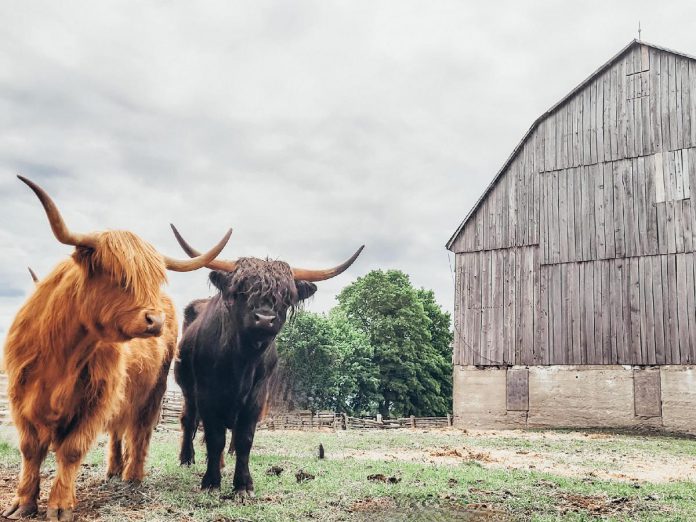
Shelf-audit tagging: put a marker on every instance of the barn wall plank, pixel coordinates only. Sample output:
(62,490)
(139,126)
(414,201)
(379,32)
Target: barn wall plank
(659,310)
(588,314)
(598,310)
(646,310)
(669,300)
(682,308)
(477,311)
(544,328)
(537,344)
(691,304)
(571,211)
(527,348)
(637,329)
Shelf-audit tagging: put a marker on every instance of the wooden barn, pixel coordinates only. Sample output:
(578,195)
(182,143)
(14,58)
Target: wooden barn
(575,301)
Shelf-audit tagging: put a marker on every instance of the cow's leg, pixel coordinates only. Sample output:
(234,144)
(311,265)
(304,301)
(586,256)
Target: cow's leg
(189,413)
(69,455)
(140,432)
(189,425)
(138,442)
(33,451)
(215,445)
(244,432)
(115,459)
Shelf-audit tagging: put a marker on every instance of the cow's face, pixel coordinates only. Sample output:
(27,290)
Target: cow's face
(121,296)
(258,295)
(118,292)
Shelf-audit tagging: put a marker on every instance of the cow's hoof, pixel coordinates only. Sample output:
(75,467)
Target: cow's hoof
(244,492)
(186,461)
(208,484)
(240,495)
(18,511)
(60,515)
(133,483)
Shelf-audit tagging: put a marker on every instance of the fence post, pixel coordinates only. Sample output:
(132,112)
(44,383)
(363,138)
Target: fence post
(379,418)
(449,420)
(413,421)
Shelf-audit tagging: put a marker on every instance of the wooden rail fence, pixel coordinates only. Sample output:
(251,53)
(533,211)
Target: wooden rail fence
(292,420)
(307,420)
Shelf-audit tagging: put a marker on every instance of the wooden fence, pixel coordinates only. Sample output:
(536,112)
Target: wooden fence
(291,420)
(307,420)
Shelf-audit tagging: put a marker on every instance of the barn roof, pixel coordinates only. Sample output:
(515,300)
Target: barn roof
(541,118)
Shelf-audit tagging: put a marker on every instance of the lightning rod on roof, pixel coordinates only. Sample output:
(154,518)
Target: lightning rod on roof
(639,30)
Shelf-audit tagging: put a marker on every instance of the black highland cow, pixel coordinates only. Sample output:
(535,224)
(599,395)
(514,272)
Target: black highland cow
(227,355)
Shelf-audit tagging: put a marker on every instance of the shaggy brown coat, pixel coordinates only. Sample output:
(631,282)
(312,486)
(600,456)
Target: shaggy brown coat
(83,355)
(74,367)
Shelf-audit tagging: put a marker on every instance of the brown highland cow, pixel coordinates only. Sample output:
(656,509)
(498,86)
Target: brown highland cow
(90,351)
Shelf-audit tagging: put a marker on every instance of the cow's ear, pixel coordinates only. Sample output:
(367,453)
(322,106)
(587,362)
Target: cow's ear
(305,289)
(218,279)
(84,256)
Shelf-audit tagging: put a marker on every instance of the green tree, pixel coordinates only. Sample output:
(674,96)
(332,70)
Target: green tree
(357,375)
(389,311)
(441,337)
(306,360)
(326,363)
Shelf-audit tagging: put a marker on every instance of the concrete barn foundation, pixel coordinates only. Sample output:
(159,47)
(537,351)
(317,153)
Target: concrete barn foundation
(614,396)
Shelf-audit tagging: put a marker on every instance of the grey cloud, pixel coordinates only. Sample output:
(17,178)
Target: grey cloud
(310,127)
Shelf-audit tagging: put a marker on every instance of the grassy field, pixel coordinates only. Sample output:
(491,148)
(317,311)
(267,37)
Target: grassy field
(421,475)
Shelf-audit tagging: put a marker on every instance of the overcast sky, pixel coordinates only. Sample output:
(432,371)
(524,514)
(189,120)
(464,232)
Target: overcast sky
(309,127)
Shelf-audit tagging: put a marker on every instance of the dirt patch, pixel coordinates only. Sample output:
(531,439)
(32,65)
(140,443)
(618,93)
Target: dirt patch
(372,504)
(386,509)
(446,453)
(596,505)
(573,457)
(94,493)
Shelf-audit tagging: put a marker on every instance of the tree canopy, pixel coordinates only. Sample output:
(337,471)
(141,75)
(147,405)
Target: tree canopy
(385,348)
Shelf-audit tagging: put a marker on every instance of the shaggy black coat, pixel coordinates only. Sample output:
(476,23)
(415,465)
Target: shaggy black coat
(227,357)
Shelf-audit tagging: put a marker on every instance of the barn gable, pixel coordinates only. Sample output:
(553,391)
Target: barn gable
(581,251)
(625,109)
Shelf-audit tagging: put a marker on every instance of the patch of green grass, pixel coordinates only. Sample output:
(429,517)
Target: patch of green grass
(425,490)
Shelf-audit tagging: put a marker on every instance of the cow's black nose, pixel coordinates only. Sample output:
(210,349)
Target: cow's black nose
(154,323)
(263,320)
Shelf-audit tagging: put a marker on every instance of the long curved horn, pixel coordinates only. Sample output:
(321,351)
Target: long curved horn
(65,236)
(60,229)
(217,264)
(298,273)
(198,260)
(321,275)
(33,275)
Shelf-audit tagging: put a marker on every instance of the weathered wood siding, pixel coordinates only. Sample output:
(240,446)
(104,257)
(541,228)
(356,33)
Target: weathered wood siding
(644,103)
(624,208)
(583,250)
(497,311)
(637,310)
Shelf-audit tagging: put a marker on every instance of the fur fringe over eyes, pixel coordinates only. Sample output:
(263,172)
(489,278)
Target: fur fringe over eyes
(264,279)
(129,261)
